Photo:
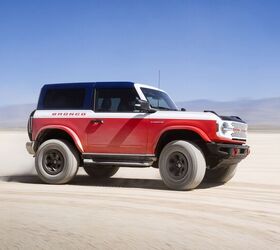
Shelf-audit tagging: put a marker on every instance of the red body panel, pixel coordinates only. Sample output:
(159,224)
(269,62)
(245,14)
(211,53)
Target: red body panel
(118,135)
(124,135)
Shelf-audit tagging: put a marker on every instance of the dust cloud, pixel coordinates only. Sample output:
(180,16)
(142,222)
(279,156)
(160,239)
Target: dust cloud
(15,160)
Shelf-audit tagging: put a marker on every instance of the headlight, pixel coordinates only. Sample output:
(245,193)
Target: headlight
(226,127)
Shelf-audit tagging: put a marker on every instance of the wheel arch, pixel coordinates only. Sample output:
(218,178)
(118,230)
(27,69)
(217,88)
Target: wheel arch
(58,132)
(193,135)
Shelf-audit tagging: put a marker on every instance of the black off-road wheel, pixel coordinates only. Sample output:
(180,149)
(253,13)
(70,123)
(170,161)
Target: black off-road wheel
(220,175)
(101,172)
(56,161)
(181,165)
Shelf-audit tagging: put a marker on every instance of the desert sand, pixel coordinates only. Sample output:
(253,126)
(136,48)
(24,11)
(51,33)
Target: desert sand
(134,210)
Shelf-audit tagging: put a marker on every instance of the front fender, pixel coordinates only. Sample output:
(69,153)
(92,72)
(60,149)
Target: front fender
(200,132)
(196,130)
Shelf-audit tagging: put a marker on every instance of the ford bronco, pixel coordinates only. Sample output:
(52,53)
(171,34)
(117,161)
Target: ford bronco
(102,126)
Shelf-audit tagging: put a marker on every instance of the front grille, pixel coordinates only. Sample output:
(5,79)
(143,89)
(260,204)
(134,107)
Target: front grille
(239,131)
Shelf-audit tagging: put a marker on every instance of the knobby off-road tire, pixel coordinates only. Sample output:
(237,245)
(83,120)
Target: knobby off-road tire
(101,172)
(56,161)
(182,165)
(220,175)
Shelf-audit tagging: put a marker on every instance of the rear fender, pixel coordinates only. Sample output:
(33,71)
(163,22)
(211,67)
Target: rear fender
(69,131)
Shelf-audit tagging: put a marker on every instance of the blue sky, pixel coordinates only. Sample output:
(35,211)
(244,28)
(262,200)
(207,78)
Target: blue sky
(219,50)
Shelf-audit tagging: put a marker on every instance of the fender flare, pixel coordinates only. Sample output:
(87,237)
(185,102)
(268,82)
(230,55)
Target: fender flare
(196,130)
(69,131)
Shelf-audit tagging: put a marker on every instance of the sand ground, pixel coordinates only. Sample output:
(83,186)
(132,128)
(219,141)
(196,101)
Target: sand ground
(134,210)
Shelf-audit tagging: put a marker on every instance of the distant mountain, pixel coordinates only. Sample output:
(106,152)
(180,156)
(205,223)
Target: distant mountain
(15,116)
(258,113)
(262,112)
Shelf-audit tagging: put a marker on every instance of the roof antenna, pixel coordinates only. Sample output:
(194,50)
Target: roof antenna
(158,84)
(159,79)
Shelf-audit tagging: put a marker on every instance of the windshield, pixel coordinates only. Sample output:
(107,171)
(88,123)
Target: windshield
(158,99)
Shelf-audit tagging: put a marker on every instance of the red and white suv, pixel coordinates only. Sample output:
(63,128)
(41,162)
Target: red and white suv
(102,126)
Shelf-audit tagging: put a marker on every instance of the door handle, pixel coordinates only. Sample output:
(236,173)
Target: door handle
(97,121)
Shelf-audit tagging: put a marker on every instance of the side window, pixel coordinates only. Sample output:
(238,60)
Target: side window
(115,100)
(70,98)
(156,102)
(158,99)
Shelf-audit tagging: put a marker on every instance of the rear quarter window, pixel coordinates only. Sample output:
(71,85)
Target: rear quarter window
(68,98)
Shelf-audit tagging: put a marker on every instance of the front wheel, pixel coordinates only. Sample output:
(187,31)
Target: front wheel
(101,172)
(220,175)
(56,161)
(182,165)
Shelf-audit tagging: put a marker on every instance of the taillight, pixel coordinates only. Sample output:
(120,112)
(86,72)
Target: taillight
(29,125)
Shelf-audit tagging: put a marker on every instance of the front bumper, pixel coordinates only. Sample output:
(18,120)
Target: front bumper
(30,147)
(226,154)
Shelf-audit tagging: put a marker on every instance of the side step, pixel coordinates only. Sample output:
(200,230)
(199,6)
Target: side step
(119,163)
(121,160)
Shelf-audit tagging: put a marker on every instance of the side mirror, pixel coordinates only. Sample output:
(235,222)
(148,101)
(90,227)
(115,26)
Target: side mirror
(144,106)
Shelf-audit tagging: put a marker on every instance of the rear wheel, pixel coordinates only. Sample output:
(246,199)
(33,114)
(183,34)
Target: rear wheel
(220,175)
(56,161)
(101,171)
(181,165)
